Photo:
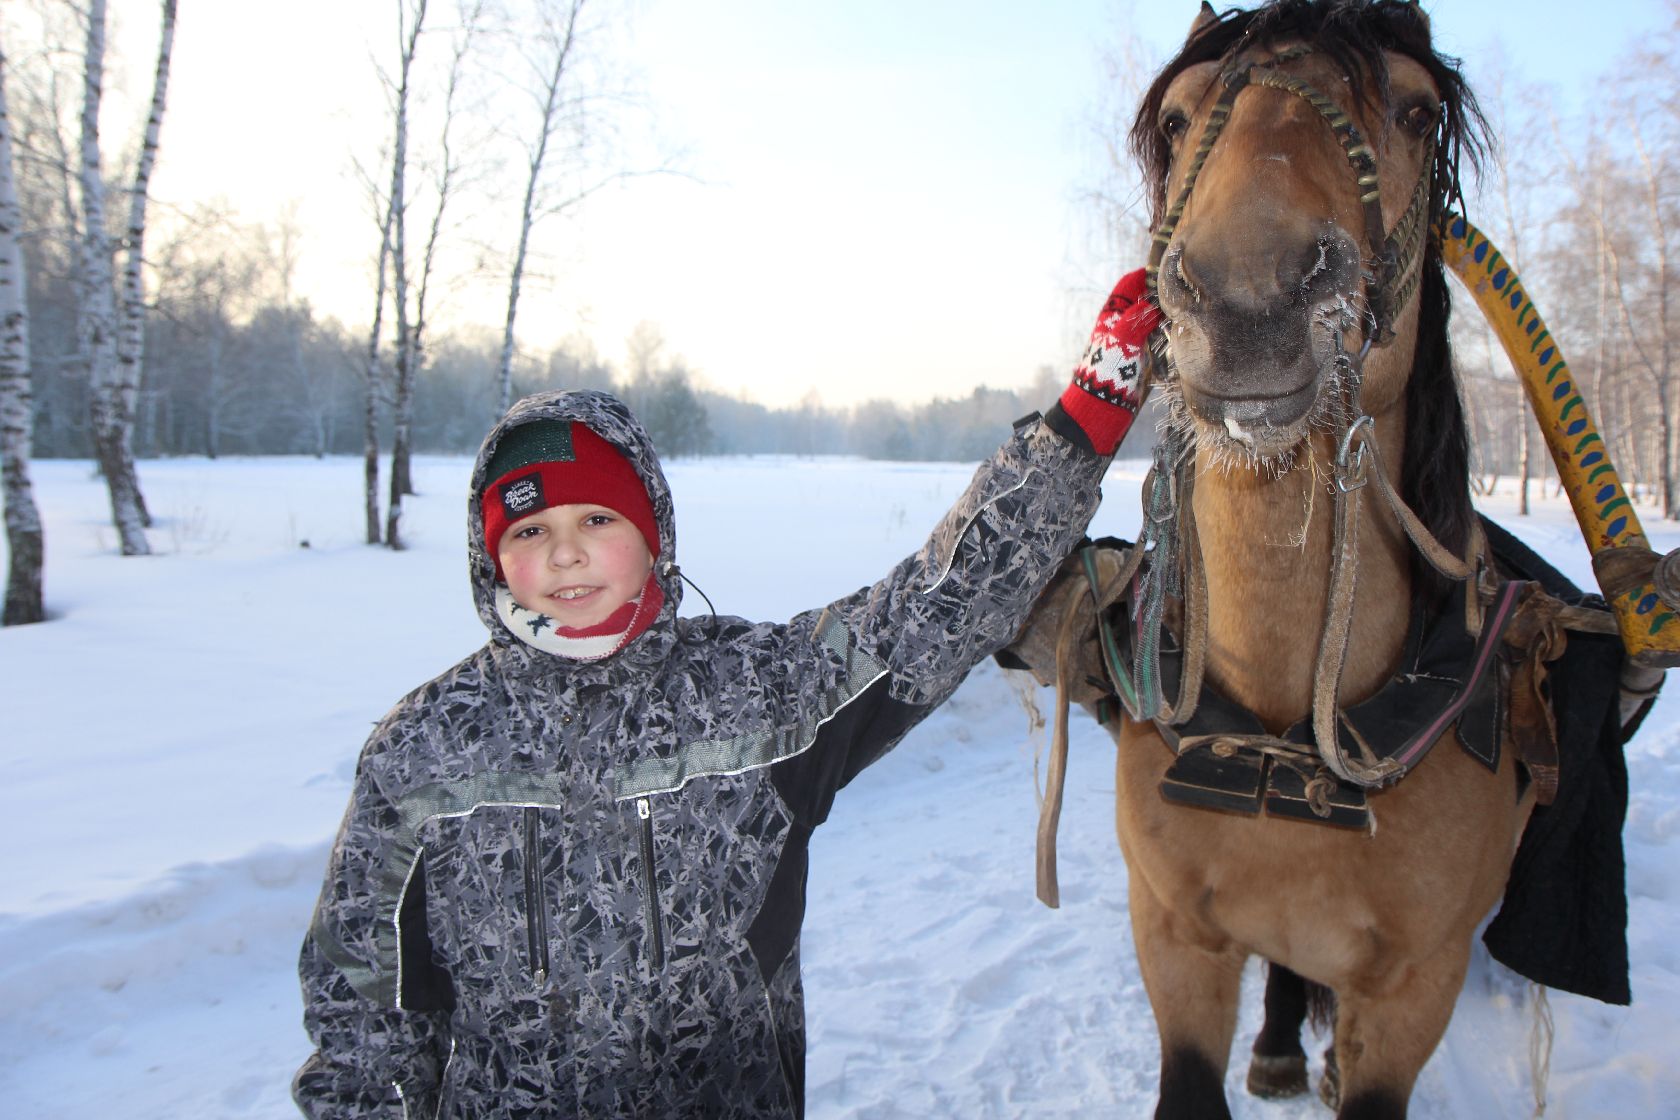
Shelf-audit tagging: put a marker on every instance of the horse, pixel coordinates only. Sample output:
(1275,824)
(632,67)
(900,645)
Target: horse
(1297,157)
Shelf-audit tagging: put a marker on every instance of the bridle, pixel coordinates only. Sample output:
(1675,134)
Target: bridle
(1392,279)
(1394,255)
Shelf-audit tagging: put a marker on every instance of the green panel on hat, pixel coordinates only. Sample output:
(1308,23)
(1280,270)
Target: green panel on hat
(540,441)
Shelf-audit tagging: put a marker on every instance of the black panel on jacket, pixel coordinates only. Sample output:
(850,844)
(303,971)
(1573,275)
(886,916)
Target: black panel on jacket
(776,927)
(425,986)
(865,728)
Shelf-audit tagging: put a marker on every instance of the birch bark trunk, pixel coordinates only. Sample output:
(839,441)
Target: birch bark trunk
(402,407)
(25,539)
(96,315)
(370,395)
(131,308)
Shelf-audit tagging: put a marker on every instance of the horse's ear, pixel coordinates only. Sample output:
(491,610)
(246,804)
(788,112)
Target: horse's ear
(1205,19)
(1423,16)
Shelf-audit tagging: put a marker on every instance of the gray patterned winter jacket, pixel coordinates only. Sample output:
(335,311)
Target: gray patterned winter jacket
(575,889)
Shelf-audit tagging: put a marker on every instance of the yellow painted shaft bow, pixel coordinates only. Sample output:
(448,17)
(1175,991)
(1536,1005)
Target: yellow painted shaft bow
(1638,583)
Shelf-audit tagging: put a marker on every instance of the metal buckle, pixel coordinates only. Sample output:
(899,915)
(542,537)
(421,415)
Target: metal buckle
(1352,475)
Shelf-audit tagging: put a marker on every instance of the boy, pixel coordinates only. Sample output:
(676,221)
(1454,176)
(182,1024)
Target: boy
(572,874)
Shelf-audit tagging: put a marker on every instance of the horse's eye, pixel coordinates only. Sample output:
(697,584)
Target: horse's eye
(1419,120)
(1174,125)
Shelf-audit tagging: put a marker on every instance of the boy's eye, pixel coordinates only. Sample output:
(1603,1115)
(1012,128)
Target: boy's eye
(528,531)
(598,519)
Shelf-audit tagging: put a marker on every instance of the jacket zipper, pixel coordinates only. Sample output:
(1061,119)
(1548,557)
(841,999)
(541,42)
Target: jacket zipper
(650,893)
(536,906)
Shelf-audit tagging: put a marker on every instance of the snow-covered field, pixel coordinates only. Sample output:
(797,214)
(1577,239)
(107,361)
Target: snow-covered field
(176,749)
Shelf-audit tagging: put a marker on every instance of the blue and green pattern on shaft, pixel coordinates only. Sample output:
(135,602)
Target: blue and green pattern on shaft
(1601,505)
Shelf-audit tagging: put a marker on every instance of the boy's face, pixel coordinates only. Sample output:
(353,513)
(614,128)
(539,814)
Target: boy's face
(575,563)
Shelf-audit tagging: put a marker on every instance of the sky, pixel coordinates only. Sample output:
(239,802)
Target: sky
(879,198)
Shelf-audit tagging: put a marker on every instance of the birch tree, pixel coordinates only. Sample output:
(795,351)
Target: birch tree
(373,377)
(411,328)
(558,38)
(131,304)
(44,92)
(562,165)
(25,540)
(410,22)
(97,313)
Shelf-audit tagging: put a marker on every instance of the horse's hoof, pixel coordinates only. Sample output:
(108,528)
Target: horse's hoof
(1276,1078)
(1330,1085)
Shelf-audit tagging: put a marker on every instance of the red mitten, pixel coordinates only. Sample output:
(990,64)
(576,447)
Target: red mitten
(1105,395)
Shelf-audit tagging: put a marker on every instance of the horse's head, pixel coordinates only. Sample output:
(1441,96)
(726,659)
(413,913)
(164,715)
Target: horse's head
(1309,145)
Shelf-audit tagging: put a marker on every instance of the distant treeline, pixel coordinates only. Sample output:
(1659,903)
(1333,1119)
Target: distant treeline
(273,379)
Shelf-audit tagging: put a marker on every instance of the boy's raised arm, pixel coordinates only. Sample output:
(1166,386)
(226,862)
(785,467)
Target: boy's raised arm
(969,589)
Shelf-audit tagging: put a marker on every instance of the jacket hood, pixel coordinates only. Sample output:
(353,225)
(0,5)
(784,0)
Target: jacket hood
(609,418)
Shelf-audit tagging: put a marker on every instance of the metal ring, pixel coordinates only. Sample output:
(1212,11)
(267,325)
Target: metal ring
(1351,475)
(1666,578)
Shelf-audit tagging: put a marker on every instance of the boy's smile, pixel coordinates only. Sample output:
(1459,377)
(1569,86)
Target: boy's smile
(575,563)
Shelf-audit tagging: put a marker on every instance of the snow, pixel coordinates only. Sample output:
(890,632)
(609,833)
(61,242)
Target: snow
(178,743)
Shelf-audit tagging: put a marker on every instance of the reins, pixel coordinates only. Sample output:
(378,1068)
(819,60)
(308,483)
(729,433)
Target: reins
(1396,268)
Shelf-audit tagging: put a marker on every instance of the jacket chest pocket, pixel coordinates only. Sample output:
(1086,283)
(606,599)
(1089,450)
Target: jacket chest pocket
(494,877)
(647,875)
(536,896)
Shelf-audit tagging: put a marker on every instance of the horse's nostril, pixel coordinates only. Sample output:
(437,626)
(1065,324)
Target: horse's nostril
(1331,268)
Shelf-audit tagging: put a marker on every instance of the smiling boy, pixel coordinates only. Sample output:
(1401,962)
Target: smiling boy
(571,878)
(573,535)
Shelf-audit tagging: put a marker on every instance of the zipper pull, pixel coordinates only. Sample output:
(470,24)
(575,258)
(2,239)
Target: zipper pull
(644,809)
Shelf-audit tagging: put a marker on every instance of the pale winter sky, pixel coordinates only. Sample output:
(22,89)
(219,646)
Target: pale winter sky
(884,193)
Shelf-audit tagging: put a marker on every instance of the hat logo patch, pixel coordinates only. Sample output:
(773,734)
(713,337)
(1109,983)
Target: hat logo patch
(523,495)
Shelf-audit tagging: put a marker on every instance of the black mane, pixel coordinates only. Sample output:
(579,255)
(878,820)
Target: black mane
(1355,34)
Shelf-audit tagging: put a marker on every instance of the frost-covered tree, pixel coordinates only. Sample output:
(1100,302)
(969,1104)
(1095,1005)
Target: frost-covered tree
(131,301)
(411,20)
(552,66)
(110,333)
(373,378)
(445,183)
(24,536)
(96,318)
(569,148)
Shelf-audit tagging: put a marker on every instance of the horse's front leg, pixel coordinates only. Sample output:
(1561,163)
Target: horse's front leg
(1193,982)
(1385,1035)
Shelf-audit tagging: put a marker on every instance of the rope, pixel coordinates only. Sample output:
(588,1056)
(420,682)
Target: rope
(1055,776)
(1194,589)
(1160,541)
(1540,1038)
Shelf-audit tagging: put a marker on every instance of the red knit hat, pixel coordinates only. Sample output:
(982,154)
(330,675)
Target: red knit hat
(548,463)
